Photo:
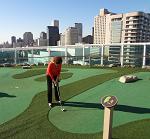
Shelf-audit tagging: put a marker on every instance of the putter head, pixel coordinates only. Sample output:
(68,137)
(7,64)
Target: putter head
(63,110)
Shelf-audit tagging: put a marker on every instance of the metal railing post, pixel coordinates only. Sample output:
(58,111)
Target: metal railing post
(102,55)
(144,56)
(66,59)
(121,55)
(83,56)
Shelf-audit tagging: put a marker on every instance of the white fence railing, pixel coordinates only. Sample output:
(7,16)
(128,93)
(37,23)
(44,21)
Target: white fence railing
(125,54)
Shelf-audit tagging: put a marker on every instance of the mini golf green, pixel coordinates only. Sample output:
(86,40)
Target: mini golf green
(85,114)
(17,94)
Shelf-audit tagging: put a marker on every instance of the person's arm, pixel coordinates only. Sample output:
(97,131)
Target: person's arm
(50,70)
(59,71)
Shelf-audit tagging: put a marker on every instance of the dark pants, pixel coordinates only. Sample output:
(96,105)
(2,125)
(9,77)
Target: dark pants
(49,89)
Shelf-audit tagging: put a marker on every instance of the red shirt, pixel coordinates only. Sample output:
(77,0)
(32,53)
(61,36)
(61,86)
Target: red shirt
(53,70)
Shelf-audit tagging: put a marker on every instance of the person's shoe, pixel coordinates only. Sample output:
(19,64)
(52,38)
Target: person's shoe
(50,105)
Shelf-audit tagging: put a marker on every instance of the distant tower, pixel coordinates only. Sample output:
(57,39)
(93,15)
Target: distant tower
(62,39)
(102,27)
(13,40)
(43,35)
(55,23)
(28,38)
(52,35)
(71,36)
(93,32)
(79,28)
(42,41)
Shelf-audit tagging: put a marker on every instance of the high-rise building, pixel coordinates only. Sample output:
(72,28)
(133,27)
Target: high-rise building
(127,28)
(71,36)
(55,23)
(52,35)
(28,38)
(19,40)
(42,41)
(62,39)
(121,28)
(79,28)
(93,33)
(101,27)
(88,39)
(19,43)
(13,40)
(43,35)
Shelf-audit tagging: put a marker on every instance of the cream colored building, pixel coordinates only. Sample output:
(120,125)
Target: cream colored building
(111,28)
(62,39)
(121,28)
(101,27)
(71,36)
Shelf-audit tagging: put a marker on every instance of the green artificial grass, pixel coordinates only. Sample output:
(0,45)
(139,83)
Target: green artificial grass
(133,130)
(85,113)
(63,77)
(33,123)
(32,72)
(21,91)
(29,73)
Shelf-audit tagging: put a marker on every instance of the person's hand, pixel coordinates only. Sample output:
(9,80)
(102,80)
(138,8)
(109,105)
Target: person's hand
(55,83)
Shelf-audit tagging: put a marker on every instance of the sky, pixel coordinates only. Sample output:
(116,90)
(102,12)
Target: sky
(19,16)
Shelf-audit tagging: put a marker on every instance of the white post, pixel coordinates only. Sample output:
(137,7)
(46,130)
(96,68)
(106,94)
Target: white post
(89,56)
(49,52)
(83,56)
(66,55)
(108,117)
(121,55)
(108,102)
(144,56)
(102,55)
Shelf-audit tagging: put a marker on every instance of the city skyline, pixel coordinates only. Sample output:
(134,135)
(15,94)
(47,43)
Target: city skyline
(33,16)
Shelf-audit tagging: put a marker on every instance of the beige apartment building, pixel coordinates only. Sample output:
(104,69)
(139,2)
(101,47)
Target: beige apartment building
(71,36)
(100,27)
(121,28)
(111,28)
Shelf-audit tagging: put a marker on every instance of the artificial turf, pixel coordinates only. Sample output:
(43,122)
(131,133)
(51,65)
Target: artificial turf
(21,91)
(33,123)
(63,77)
(85,113)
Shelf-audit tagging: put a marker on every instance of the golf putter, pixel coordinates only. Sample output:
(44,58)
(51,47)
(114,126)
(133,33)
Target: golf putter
(57,86)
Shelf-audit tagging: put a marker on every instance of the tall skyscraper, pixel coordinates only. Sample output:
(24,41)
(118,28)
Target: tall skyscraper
(19,43)
(71,36)
(28,38)
(42,41)
(62,39)
(55,23)
(101,27)
(79,28)
(52,35)
(43,35)
(13,40)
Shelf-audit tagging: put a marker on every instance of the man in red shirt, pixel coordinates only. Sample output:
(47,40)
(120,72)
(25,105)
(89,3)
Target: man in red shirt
(53,77)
